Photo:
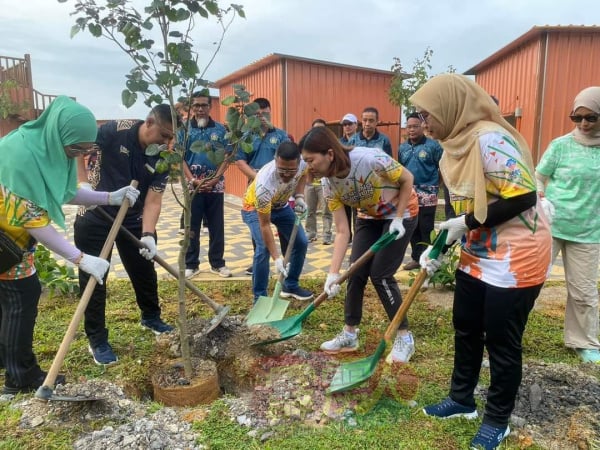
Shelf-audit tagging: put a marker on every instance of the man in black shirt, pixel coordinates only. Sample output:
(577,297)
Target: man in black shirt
(121,159)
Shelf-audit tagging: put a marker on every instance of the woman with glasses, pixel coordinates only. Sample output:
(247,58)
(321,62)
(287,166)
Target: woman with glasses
(38,175)
(568,177)
(382,192)
(505,246)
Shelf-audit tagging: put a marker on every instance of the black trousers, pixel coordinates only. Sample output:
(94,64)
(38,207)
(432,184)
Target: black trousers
(18,312)
(90,235)
(485,315)
(380,269)
(420,237)
(210,208)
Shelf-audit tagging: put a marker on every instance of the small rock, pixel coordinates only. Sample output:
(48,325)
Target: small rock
(252,433)
(535,396)
(266,436)
(412,404)
(37,421)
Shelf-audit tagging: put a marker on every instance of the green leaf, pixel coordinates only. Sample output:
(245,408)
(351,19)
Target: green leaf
(239,9)
(95,30)
(246,147)
(228,101)
(251,109)
(74,30)
(153,150)
(199,147)
(211,157)
(128,98)
(232,118)
(219,156)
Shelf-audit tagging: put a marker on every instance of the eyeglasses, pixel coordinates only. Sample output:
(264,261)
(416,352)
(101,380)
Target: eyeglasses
(347,124)
(200,105)
(82,150)
(286,171)
(591,118)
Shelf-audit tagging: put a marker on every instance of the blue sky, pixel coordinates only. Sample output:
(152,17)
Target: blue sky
(363,33)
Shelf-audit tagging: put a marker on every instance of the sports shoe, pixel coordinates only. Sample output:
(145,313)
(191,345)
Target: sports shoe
(343,342)
(248,271)
(221,271)
(589,355)
(411,265)
(449,409)
(12,389)
(181,231)
(311,237)
(297,293)
(157,326)
(403,349)
(103,354)
(204,230)
(327,241)
(489,437)
(189,273)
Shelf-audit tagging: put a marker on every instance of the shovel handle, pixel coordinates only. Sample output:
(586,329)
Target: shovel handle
(164,264)
(85,298)
(392,328)
(288,255)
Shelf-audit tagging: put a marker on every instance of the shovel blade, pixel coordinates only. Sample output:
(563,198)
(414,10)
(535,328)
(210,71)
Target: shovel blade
(289,327)
(267,309)
(350,375)
(45,393)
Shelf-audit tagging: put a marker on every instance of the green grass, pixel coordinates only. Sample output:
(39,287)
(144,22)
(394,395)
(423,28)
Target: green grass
(387,424)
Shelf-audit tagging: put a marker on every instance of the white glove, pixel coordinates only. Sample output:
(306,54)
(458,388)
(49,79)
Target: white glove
(332,287)
(456,228)
(128,192)
(281,267)
(397,226)
(96,267)
(86,186)
(549,209)
(150,251)
(430,265)
(299,205)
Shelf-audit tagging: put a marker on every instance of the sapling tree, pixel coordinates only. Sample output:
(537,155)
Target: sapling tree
(158,39)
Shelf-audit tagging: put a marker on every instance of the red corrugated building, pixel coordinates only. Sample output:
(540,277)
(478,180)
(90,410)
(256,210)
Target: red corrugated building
(301,90)
(537,76)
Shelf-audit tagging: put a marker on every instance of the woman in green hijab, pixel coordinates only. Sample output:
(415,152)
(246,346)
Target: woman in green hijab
(38,174)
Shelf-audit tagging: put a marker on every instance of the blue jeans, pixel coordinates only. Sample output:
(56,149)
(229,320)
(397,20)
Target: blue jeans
(283,219)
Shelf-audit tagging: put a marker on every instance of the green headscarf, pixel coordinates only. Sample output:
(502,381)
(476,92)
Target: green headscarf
(33,163)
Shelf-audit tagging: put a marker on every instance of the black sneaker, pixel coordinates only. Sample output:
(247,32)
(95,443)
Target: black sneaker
(103,354)
(157,326)
(248,271)
(449,409)
(12,389)
(298,293)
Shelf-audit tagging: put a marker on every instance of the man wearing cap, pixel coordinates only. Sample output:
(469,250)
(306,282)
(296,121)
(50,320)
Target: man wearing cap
(369,136)
(349,125)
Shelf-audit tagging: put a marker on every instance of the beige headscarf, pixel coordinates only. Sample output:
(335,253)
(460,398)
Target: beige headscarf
(588,98)
(465,112)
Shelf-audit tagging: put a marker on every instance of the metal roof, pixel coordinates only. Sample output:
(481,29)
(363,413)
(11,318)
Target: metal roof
(533,33)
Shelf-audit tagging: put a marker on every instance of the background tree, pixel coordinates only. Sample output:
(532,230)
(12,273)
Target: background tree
(158,40)
(404,84)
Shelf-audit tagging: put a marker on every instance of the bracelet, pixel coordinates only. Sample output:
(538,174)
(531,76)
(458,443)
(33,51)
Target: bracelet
(298,195)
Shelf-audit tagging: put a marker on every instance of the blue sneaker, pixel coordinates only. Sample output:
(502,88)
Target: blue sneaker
(298,293)
(489,437)
(449,409)
(103,354)
(589,355)
(157,326)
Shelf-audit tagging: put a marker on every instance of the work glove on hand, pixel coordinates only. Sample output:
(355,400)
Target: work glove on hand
(85,185)
(96,267)
(281,267)
(117,197)
(456,227)
(150,251)
(332,287)
(397,226)
(299,205)
(549,209)
(430,265)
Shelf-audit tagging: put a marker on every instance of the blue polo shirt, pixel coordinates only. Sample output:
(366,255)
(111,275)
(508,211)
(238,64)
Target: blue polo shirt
(263,148)
(378,140)
(121,159)
(199,164)
(422,159)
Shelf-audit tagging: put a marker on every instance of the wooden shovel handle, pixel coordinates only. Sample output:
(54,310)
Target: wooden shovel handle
(85,298)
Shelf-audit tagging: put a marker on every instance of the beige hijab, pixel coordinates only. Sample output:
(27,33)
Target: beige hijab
(588,98)
(465,112)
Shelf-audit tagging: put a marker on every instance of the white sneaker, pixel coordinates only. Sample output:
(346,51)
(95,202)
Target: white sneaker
(189,273)
(204,230)
(403,349)
(221,271)
(343,342)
